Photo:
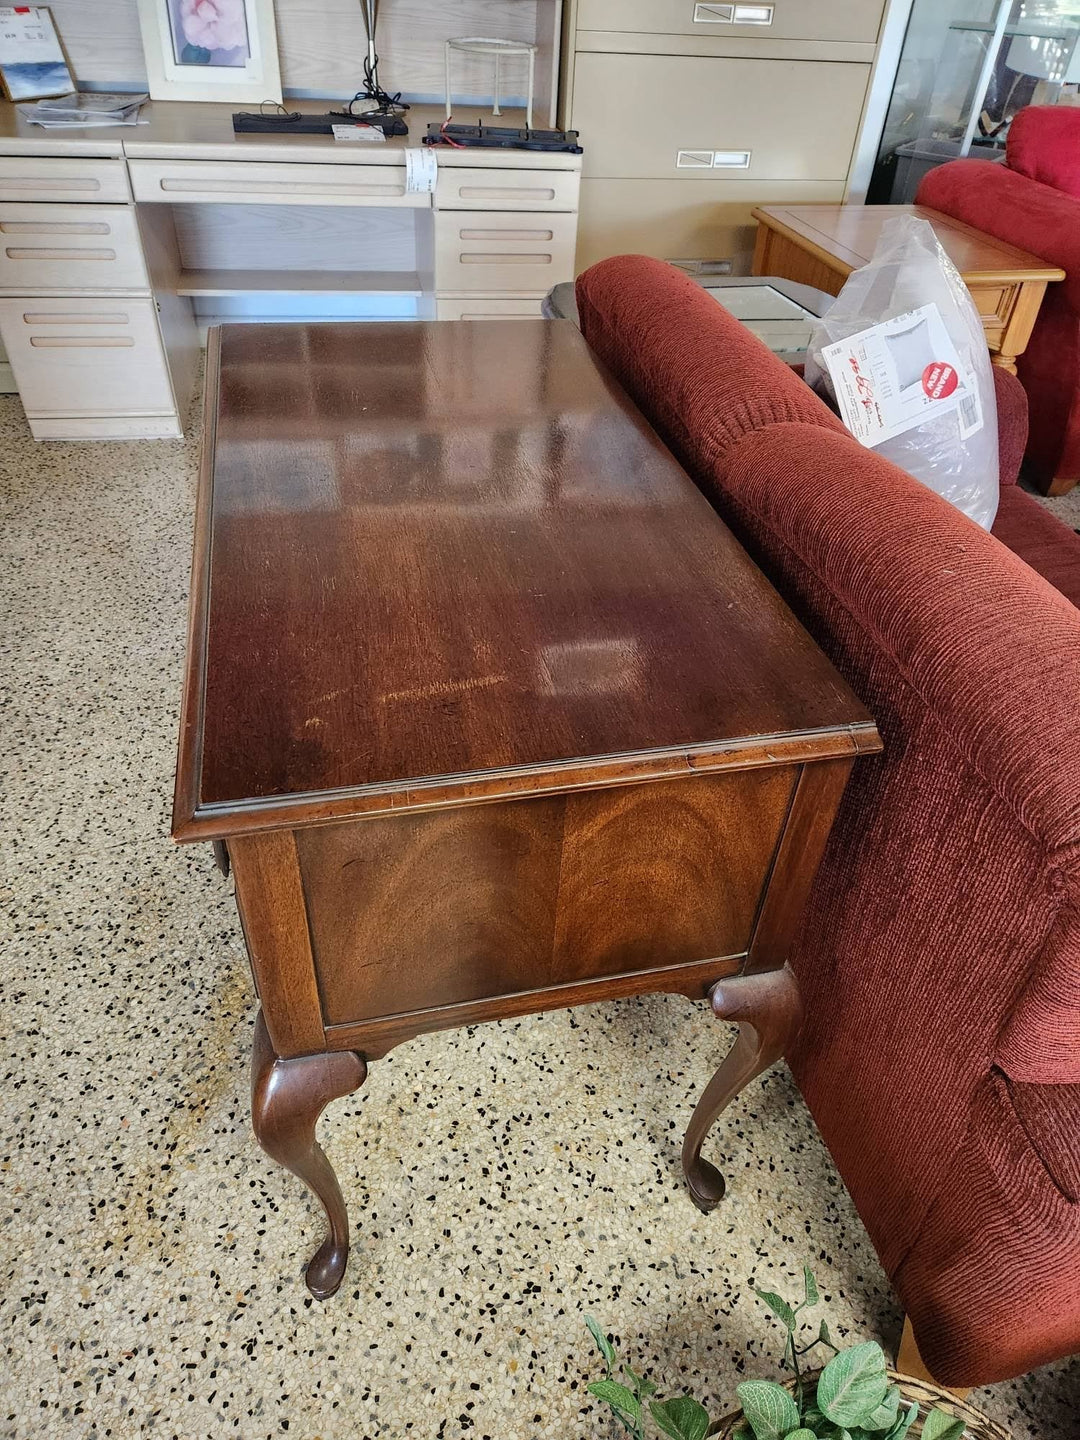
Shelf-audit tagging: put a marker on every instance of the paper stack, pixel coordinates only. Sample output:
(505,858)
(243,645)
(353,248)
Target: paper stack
(84,110)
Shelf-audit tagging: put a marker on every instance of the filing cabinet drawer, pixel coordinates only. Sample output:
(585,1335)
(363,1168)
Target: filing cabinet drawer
(481,307)
(70,247)
(26,177)
(87,357)
(237,182)
(508,251)
(851,20)
(467,189)
(708,119)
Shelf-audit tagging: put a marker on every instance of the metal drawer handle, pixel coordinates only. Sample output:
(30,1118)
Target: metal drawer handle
(713,160)
(52,252)
(82,342)
(733,14)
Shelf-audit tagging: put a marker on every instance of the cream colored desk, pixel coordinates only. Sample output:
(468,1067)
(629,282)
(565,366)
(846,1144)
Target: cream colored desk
(118,245)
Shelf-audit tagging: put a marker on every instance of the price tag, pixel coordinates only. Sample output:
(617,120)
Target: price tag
(421,170)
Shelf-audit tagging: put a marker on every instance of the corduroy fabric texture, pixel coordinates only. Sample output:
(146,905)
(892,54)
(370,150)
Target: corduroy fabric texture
(1046,222)
(1012,412)
(942,931)
(1038,537)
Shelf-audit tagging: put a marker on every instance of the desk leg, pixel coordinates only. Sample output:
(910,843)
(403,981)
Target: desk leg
(768,1008)
(287,1098)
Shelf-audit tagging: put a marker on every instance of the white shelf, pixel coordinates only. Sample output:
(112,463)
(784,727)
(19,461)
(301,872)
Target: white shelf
(298,282)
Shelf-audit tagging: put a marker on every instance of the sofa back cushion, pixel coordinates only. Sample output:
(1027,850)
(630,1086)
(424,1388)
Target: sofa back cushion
(1044,145)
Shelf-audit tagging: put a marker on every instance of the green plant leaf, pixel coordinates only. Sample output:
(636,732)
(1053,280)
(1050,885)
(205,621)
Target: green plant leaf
(778,1305)
(682,1418)
(810,1283)
(824,1336)
(940,1425)
(801,1434)
(769,1408)
(617,1396)
(853,1384)
(642,1388)
(603,1344)
(905,1422)
(885,1416)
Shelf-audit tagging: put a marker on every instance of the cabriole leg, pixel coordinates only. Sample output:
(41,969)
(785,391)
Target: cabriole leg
(287,1098)
(768,1008)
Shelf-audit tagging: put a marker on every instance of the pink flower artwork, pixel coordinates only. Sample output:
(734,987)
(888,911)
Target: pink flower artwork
(210,32)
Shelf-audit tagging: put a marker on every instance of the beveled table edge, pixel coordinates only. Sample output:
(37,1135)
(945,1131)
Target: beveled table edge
(221,819)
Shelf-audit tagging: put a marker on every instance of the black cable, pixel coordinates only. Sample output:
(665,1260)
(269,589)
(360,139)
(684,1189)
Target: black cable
(385,103)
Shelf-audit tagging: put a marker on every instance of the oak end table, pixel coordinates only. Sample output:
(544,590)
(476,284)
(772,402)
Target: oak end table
(821,245)
(487,711)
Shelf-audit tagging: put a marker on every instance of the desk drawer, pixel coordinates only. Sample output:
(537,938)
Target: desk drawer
(30,178)
(771,20)
(466,189)
(70,247)
(198,182)
(87,357)
(711,119)
(484,307)
(503,251)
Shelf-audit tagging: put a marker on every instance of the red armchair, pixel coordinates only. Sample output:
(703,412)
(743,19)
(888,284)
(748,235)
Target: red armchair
(1033,201)
(940,955)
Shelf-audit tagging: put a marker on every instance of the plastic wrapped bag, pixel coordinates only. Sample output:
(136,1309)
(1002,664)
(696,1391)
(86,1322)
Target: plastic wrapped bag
(938,380)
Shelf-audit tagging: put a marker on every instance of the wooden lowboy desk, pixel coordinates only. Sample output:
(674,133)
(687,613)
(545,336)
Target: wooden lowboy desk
(488,711)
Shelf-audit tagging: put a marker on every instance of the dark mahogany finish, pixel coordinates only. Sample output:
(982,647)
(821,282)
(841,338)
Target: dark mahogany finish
(494,714)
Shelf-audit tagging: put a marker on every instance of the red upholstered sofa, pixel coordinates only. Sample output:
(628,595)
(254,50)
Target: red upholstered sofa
(1033,201)
(940,957)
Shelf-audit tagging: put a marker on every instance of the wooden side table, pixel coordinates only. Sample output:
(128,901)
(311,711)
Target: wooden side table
(821,245)
(488,711)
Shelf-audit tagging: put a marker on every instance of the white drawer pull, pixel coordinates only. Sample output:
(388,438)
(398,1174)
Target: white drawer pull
(474,234)
(82,342)
(511,192)
(713,160)
(27,182)
(731,160)
(471,258)
(272,189)
(733,14)
(46,317)
(53,227)
(53,252)
(694,160)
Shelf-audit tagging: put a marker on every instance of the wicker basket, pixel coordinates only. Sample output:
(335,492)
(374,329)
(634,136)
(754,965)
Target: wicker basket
(978,1427)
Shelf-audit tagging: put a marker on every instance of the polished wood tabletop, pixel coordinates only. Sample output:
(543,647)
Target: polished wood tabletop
(419,575)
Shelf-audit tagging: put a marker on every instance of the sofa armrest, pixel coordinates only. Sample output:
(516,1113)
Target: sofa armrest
(1012,412)
(1009,206)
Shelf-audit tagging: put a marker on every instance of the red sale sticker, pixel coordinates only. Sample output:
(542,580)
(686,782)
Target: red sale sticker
(939,380)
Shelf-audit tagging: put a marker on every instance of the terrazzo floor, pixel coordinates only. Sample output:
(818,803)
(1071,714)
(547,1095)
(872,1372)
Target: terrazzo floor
(503,1180)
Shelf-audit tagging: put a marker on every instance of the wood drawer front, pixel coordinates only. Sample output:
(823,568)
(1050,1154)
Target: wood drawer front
(198,182)
(415,911)
(486,307)
(465,189)
(70,247)
(87,357)
(509,251)
(846,20)
(712,119)
(86,181)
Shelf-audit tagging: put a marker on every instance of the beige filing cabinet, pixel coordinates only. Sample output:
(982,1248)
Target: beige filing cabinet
(692,113)
(118,247)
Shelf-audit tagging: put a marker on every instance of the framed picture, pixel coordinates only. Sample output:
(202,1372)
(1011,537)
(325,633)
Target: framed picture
(211,50)
(33,65)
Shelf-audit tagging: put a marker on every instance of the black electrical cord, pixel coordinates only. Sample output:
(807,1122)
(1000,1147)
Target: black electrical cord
(385,103)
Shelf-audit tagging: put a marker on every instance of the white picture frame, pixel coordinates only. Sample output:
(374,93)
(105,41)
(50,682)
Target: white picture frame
(183,62)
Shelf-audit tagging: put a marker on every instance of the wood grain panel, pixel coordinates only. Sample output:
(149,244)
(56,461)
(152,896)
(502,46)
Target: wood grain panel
(418,911)
(295,237)
(666,874)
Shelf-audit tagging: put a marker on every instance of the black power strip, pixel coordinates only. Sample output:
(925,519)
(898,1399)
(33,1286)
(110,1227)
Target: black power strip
(497,137)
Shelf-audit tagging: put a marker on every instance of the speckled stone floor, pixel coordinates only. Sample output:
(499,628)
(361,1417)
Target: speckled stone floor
(502,1180)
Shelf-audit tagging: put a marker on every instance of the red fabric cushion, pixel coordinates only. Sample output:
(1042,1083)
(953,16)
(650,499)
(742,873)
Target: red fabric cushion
(1037,536)
(1012,412)
(1044,145)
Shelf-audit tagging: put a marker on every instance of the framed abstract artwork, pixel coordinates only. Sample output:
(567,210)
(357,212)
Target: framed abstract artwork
(211,50)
